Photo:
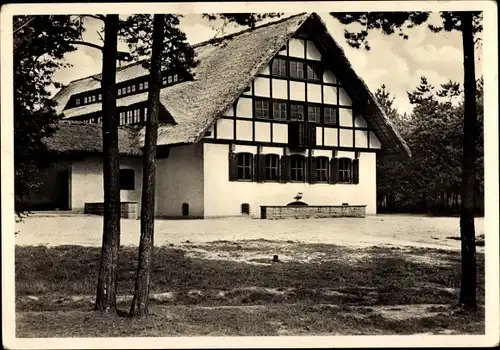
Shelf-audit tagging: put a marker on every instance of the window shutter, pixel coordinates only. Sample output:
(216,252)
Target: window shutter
(261,167)
(285,169)
(233,166)
(313,170)
(311,135)
(255,170)
(355,171)
(334,171)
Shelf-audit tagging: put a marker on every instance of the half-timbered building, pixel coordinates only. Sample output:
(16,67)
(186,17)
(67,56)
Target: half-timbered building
(267,113)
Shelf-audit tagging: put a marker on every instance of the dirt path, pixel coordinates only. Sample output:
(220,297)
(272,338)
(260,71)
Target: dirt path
(398,230)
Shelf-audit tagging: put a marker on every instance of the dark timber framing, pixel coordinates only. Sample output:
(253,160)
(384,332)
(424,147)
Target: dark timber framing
(320,68)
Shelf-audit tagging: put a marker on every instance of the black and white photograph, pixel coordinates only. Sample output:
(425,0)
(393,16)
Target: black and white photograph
(250,174)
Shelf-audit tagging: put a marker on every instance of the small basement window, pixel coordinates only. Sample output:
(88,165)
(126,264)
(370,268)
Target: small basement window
(127,179)
(245,208)
(185,209)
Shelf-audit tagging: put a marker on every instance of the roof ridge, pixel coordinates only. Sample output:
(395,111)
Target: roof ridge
(203,43)
(232,35)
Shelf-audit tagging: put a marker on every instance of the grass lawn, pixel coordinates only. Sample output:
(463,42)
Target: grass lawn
(233,288)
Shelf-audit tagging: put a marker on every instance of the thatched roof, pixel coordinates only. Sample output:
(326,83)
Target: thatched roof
(79,137)
(226,67)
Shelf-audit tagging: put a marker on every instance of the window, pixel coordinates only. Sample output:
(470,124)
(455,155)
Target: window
(313,72)
(297,69)
(123,118)
(85,99)
(119,92)
(272,166)
(141,86)
(245,208)
(330,115)
(170,79)
(279,67)
(99,97)
(137,116)
(164,80)
(129,89)
(296,112)
(322,169)
(314,114)
(127,179)
(297,167)
(176,77)
(77,101)
(245,166)
(133,88)
(146,84)
(279,110)
(261,109)
(344,170)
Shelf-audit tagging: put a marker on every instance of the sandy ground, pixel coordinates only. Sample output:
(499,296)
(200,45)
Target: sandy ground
(400,230)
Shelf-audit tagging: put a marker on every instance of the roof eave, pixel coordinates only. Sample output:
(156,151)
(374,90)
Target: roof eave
(399,142)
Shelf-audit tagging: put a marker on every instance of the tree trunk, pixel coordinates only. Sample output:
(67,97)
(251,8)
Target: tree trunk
(468,285)
(140,301)
(106,284)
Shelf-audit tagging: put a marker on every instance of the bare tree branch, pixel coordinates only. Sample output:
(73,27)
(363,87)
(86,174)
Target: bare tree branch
(100,36)
(99,17)
(85,43)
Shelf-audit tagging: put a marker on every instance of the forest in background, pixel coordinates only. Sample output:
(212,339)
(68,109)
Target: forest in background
(428,182)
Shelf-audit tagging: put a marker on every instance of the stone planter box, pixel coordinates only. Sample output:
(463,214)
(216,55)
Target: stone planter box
(129,210)
(311,211)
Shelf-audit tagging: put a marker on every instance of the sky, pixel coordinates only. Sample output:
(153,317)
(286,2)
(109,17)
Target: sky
(392,61)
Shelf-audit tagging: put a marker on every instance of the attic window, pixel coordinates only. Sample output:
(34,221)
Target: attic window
(330,115)
(279,67)
(296,69)
(261,108)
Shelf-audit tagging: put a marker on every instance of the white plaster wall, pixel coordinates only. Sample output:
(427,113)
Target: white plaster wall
(361,138)
(87,181)
(312,51)
(280,89)
(224,198)
(262,87)
(179,179)
(374,141)
(225,129)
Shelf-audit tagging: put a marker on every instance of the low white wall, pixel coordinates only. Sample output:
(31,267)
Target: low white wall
(224,198)
(179,179)
(87,181)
